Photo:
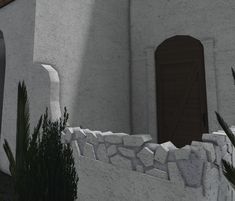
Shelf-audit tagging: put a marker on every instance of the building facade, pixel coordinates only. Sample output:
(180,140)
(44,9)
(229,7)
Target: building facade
(106,52)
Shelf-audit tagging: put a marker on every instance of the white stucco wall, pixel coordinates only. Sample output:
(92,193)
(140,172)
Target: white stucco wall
(87,43)
(17,24)
(212,22)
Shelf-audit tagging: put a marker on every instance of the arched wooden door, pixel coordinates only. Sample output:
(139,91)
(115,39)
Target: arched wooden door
(2,73)
(181,91)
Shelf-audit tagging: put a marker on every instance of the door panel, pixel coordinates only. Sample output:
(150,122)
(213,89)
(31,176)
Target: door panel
(181,94)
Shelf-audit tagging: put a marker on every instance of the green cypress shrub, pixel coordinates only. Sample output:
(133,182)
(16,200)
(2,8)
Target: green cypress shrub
(44,168)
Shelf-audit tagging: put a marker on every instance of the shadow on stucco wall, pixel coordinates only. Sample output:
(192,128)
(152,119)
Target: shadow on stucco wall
(87,42)
(101,100)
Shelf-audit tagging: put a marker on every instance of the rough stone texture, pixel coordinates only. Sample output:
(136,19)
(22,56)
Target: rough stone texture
(88,151)
(218,155)
(67,134)
(136,140)
(127,152)
(200,152)
(192,171)
(115,138)
(195,169)
(162,152)
(102,153)
(174,174)
(211,182)
(210,150)
(227,157)
(122,162)
(230,148)
(68,130)
(99,136)
(139,168)
(217,138)
(79,133)
(112,150)
(76,149)
(91,137)
(152,146)
(183,153)
(146,156)
(157,173)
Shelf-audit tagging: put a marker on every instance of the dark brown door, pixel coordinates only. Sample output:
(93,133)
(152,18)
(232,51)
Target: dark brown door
(2,73)
(181,91)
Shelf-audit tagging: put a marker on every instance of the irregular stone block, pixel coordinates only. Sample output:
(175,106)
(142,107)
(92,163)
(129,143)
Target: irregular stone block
(157,173)
(88,151)
(211,182)
(183,153)
(227,157)
(79,134)
(233,156)
(122,162)
(191,171)
(160,166)
(102,153)
(127,152)
(91,137)
(230,148)
(218,155)
(139,168)
(99,136)
(68,131)
(216,138)
(210,150)
(208,147)
(152,146)
(171,156)
(76,149)
(174,174)
(114,138)
(112,150)
(146,156)
(200,152)
(162,151)
(136,140)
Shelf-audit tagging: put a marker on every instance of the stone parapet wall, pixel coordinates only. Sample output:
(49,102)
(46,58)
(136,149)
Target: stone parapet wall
(196,167)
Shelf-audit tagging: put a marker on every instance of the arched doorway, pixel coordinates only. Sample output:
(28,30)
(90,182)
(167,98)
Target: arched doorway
(181,90)
(2,73)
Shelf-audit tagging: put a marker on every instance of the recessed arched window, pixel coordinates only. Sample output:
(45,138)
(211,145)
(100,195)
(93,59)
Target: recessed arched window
(2,73)
(181,90)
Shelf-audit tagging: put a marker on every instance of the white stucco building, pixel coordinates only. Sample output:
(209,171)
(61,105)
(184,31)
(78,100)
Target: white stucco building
(159,67)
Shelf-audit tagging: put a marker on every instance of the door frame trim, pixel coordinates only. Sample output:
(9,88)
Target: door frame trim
(211,86)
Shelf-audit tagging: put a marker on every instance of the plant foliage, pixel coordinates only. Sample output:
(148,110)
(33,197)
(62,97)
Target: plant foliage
(44,168)
(228,169)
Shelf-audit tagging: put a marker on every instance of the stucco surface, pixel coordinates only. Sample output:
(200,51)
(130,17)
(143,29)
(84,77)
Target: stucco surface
(206,20)
(87,43)
(100,181)
(17,25)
